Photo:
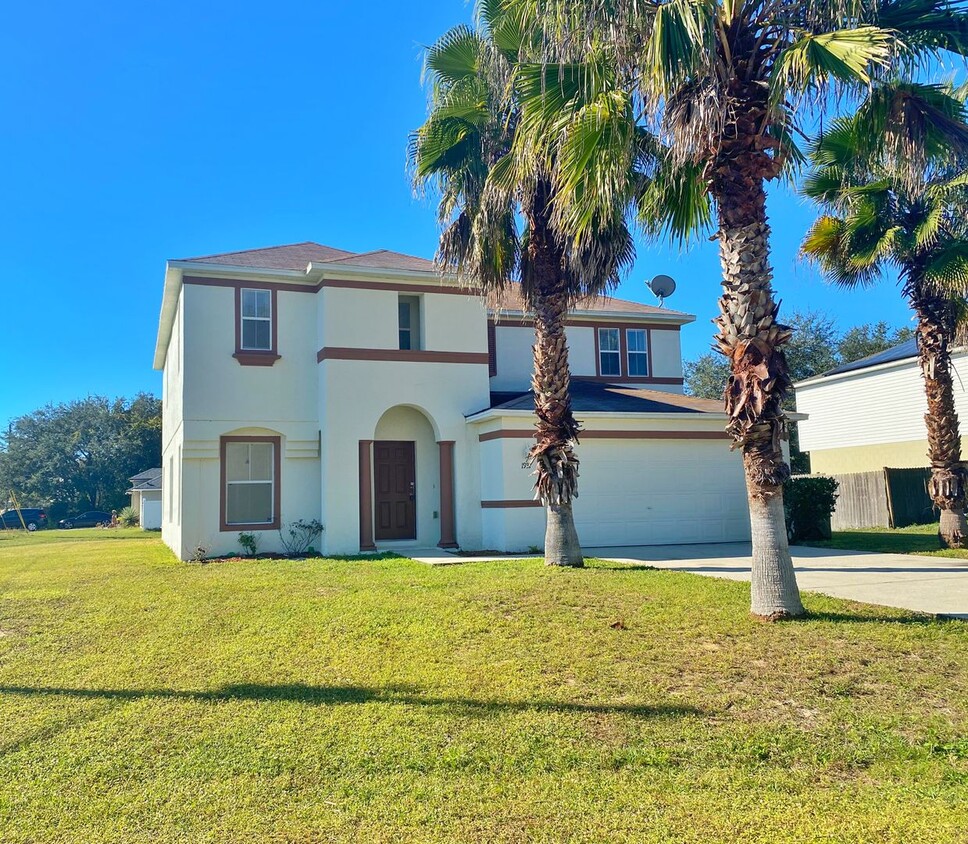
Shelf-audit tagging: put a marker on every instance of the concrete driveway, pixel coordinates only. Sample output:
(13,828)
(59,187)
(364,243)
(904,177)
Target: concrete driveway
(936,585)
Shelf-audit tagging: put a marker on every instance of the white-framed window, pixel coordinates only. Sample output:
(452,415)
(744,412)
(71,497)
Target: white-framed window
(408,309)
(256,318)
(609,352)
(250,482)
(637,342)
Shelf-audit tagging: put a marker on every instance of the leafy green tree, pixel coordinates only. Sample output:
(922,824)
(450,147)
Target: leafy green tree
(862,341)
(883,212)
(81,453)
(496,211)
(728,84)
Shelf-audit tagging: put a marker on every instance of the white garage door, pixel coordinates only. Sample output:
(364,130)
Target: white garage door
(657,492)
(151,514)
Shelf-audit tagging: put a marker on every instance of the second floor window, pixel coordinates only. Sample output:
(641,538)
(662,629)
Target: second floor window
(409,322)
(638,349)
(609,353)
(257,320)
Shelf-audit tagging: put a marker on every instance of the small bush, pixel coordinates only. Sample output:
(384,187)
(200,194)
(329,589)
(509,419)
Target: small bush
(300,536)
(808,503)
(128,517)
(249,543)
(198,555)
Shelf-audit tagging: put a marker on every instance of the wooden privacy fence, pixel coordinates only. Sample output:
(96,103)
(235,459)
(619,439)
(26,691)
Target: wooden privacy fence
(887,498)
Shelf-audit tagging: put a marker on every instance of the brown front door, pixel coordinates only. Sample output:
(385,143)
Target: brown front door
(395,496)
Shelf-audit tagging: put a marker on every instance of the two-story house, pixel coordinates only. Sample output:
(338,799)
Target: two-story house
(305,382)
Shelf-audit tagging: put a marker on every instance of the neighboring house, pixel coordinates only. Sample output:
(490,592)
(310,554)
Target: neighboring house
(305,382)
(868,415)
(145,495)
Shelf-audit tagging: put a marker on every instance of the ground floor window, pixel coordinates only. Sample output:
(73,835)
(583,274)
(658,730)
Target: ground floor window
(250,482)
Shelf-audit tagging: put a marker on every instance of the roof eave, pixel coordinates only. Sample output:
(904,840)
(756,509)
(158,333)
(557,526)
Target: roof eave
(497,412)
(325,269)
(674,317)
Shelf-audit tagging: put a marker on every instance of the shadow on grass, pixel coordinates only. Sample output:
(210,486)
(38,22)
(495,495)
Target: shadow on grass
(338,695)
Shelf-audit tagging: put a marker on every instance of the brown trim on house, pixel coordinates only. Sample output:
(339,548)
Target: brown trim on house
(257,357)
(448,532)
(250,358)
(619,380)
(584,322)
(224,525)
(491,348)
(404,355)
(510,433)
(509,504)
(366,496)
(252,285)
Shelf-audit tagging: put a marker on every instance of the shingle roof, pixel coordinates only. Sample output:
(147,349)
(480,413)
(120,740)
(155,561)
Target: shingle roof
(512,300)
(907,349)
(589,396)
(149,479)
(295,256)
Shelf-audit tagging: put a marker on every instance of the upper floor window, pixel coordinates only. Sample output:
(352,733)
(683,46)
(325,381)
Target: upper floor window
(609,352)
(408,308)
(638,351)
(256,320)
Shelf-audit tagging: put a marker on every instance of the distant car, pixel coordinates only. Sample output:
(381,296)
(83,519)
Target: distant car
(92,518)
(33,517)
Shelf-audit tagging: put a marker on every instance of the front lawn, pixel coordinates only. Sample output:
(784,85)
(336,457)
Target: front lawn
(147,700)
(916,539)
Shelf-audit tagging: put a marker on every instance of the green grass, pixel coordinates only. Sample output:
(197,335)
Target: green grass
(917,539)
(147,700)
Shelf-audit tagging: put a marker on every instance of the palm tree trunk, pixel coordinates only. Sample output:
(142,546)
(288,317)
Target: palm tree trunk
(752,339)
(556,429)
(936,324)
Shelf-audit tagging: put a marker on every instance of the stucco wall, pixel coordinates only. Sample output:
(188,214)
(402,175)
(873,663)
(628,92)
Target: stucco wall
(515,361)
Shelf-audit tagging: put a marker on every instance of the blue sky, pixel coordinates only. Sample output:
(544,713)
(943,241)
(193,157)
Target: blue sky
(139,132)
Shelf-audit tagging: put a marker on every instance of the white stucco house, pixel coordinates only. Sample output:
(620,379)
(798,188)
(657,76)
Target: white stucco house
(306,382)
(145,495)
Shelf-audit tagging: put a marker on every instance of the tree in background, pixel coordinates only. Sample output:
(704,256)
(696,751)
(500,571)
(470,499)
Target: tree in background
(82,453)
(862,341)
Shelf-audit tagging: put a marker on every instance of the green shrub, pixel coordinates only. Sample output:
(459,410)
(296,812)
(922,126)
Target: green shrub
(128,517)
(808,502)
(249,543)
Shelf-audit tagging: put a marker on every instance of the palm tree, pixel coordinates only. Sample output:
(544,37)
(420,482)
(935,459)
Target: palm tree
(469,149)
(727,83)
(895,196)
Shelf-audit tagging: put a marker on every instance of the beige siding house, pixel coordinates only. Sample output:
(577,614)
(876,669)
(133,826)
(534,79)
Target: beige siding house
(306,382)
(868,415)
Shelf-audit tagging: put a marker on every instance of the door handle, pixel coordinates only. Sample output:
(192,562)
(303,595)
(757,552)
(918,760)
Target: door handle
(413,492)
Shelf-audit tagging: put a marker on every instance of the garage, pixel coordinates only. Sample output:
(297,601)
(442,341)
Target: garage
(656,469)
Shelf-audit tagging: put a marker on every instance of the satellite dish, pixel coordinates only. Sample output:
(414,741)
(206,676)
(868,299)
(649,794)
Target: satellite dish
(663,286)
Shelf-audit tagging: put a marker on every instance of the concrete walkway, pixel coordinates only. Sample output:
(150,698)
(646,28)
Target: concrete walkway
(934,585)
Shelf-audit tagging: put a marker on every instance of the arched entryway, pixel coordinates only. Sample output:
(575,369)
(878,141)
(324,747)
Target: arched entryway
(406,482)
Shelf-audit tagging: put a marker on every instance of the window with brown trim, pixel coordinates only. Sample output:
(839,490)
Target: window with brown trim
(637,343)
(250,493)
(256,326)
(609,352)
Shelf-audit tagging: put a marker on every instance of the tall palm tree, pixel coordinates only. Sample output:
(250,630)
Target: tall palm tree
(896,196)
(726,84)
(469,149)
